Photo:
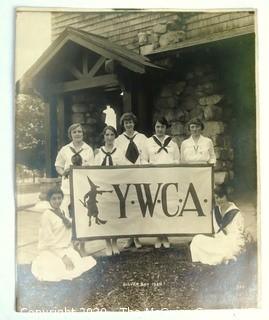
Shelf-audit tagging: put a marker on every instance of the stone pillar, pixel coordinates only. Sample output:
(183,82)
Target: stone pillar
(87,110)
(197,94)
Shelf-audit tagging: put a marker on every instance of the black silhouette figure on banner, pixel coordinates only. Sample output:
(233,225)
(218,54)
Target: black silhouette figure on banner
(90,202)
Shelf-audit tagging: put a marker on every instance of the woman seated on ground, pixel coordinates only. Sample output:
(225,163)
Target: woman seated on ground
(229,237)
(57,260)
(109,155)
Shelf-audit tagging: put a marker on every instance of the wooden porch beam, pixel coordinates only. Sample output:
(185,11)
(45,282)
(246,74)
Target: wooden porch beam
(97,66)
(129,64)
(85,83)
(85,66)
(74,71)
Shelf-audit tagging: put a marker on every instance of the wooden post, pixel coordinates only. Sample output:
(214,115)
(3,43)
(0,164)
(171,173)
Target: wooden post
(51,137)
(85,67)
(143,111)
(61,120)
(126,86)
(127,101)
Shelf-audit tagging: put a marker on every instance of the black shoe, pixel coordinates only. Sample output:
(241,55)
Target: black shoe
(130,244)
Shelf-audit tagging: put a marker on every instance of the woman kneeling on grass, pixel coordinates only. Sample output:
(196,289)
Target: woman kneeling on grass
(57,260)
(229,239)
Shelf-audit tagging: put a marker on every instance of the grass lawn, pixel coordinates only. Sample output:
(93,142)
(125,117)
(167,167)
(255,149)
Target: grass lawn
(146,279)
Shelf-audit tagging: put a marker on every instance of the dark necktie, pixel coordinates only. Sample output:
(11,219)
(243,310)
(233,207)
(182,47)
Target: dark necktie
(108,156)
(76,158)
(62,216)
(224,221)
(164,145)
(132,152)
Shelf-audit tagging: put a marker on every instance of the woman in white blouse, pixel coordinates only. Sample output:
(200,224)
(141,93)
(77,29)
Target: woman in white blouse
(109,155)
(197,148)
(160,149)
(229,237)
(57,260)
(131,143)
(77,153)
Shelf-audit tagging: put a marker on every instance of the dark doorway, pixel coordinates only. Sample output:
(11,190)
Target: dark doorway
(236,61)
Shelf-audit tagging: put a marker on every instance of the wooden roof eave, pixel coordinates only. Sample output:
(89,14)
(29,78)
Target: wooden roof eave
(125,54)
(120,50)
(125,57)
(109,55)
(204,40)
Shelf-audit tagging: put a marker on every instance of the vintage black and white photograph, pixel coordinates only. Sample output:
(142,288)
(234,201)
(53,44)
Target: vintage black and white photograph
(136,160)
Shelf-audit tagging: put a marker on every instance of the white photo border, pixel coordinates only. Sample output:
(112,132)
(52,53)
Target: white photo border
(7,233)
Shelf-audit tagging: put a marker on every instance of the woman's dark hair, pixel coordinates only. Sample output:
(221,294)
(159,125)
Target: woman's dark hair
(196,121)
(127,117)
(73,127)
(111,128)
(54,190)
(222,190)
(163,121)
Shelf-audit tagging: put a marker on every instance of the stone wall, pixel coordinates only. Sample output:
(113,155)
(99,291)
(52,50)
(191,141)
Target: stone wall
(198,94)
(162,35)
(119,27)
(87,110)
(123,26)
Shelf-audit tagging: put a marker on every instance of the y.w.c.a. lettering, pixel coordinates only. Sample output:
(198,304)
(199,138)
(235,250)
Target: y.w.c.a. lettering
(147,200)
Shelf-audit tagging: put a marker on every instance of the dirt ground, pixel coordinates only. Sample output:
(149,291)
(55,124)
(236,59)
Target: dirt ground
(145,279)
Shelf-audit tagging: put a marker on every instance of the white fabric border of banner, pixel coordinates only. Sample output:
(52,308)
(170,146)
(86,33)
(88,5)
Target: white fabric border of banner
(180,196)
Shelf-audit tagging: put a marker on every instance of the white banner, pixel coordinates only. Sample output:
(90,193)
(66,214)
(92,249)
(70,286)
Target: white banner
(141,200)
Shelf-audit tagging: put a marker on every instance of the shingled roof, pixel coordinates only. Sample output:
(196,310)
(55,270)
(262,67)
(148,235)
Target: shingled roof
(95,43)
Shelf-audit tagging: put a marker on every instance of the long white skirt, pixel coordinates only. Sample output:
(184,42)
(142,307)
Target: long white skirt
(213,250)
(49,267)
